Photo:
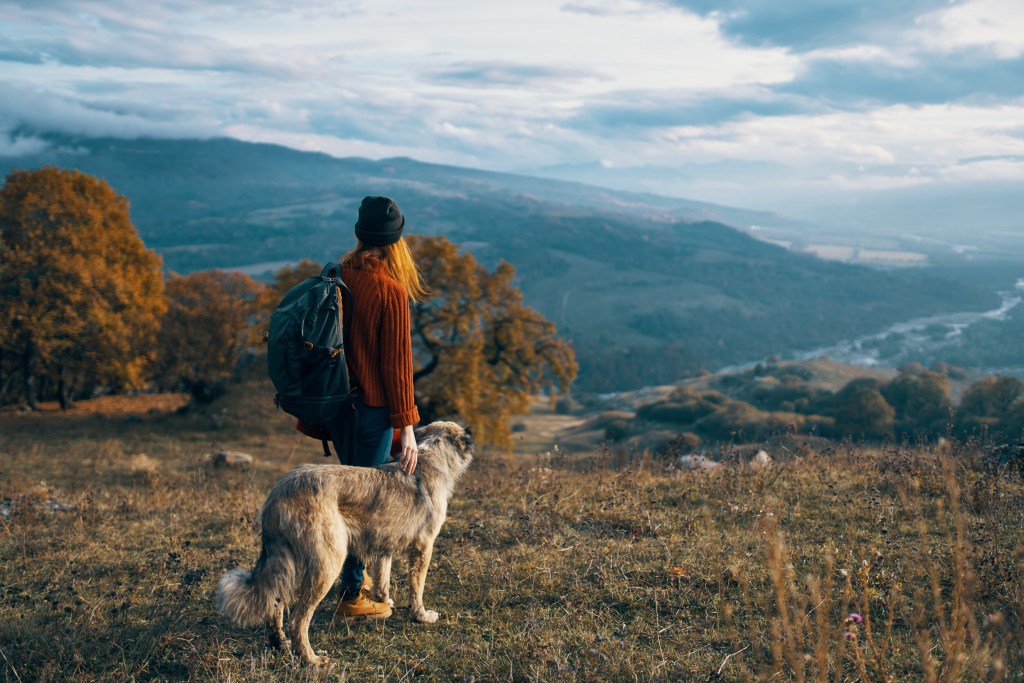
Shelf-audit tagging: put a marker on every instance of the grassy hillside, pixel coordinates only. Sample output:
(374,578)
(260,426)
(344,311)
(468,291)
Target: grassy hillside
(113,533)
(649,288)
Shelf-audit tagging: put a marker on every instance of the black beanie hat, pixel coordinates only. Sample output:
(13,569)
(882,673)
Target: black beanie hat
(380,222)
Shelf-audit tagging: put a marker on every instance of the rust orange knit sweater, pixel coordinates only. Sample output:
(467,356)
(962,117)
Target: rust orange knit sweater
(379,348)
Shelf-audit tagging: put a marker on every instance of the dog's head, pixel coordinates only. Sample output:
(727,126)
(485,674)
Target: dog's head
(460,439)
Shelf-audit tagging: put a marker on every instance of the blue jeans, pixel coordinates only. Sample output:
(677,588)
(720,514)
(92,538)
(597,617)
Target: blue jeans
(372,447)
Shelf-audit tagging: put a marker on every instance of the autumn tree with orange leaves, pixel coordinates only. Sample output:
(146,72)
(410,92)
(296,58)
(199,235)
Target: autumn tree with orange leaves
(283,280)
(209,322)
(480,353)
(80,295)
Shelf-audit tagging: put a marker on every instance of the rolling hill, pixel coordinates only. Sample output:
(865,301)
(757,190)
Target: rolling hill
(649,288)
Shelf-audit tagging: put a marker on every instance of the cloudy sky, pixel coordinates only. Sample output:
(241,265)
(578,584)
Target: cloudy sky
(743,102)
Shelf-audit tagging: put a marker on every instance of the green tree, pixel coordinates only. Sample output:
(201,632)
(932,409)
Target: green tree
(1012,424)
(920,399)
(861,411)
(81,294)
(987,405)
(209,322)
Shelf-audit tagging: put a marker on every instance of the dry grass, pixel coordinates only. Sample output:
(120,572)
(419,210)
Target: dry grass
(551,566)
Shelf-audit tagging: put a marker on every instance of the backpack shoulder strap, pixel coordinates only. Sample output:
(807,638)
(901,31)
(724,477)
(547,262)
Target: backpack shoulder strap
(331,270)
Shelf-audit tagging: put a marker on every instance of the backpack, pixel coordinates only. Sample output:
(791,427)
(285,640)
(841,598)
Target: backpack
(306,355)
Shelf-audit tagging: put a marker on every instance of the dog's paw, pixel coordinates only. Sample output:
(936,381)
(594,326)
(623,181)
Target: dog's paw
(380,598)
(318,658)
(425,616)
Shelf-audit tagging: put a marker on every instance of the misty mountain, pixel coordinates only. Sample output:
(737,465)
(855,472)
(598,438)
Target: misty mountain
(943,219)
(983,216)
(649,288)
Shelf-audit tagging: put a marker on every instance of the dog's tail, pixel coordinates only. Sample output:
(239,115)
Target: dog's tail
(252,598)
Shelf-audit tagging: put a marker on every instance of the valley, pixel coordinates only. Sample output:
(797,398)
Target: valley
(649,289)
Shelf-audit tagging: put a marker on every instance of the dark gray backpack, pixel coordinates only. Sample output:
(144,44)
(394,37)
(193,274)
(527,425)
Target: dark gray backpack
(306,355)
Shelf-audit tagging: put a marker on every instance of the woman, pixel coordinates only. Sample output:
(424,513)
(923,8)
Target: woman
(382,276)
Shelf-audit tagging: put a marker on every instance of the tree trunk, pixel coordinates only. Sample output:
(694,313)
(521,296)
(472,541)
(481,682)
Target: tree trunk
(426,369)
(431,348)
(29,370)
(6,379)
(204,393)
(63,390)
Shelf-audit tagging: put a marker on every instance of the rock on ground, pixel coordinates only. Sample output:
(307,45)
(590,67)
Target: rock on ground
(761,460)
(232,459)
(696,462)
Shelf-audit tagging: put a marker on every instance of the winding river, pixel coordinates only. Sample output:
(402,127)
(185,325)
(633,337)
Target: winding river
(913,338)
(907,340)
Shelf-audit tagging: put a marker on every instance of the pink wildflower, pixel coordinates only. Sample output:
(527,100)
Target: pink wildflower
(849,636)
(994,619)
(855,618)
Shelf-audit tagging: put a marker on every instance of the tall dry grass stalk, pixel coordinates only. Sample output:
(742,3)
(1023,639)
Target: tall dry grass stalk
(821,631)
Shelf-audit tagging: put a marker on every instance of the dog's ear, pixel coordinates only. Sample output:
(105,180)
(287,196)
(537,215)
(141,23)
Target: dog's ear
(467,438)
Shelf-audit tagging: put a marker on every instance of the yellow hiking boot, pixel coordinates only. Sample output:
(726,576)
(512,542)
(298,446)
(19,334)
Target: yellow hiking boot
(363,607)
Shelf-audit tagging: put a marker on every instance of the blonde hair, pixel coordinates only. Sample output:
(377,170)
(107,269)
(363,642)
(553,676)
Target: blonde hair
(400,263)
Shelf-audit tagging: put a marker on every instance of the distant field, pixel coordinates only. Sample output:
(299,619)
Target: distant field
(895,257)
(848,254)
(552,567)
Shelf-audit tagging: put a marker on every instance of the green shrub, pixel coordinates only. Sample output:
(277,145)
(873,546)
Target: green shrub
(617,430)
(670,412)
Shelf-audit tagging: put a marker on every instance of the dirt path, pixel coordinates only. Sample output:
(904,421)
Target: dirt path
(544,429)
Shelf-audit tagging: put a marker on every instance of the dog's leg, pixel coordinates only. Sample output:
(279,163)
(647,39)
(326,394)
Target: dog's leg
(316,587)
(419,563)
(381,572)
(275,628)
(324,553)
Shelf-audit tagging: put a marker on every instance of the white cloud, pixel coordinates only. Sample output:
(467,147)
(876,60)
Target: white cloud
(21,104)
(14,145)
(384,78)
(794,156)
(341,147)
(985,170)
(865,54)
(935,134)
(995,25)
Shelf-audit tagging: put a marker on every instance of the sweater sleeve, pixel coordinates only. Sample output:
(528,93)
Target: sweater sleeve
(396,359)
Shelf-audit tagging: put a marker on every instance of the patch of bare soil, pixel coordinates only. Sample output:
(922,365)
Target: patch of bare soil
(542,429)
(115,406)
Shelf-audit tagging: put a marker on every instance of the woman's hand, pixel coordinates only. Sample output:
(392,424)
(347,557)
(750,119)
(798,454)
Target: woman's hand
(410,451)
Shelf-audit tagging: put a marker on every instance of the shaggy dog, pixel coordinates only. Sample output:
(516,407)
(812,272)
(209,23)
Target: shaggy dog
(317,514)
